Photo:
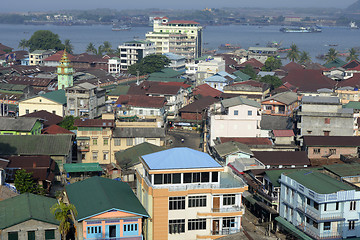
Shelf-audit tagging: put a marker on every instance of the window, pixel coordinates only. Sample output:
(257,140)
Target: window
(31,235)
(176,226)
(308,201)
(129,141)
(229,199)
(196,224)
(151,112)
(176,203)
(130,229)
(316,205)
(106,141)
(337,206)
(327,226)
(141,112)
(316,151)
(27,111)
(105,155)
(117,141)
(326,133)
(214,177)
(95,156)
(307,219)
(315,224)
(54,112)
(13,236)
(236,112)
(352,205)
(112,231)
(205,177)
(332,151)
(268,107)
(325,207)
(327,120)
(94,141)
(249,113)
(228,222)
(351,225)
(49,234)
(197,201)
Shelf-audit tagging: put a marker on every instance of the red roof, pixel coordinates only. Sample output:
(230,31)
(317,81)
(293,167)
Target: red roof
(182,22)
(283,133)
(147,87)
(351,82)
(247,140)
(180,84)
(308,80)
(205,90)
(5,48)
(141,101)
(50,118)
(2,52)
(352,65)
(292,66)
(252,62)
(94,123)
(57,56)
(55,129)
(160,18)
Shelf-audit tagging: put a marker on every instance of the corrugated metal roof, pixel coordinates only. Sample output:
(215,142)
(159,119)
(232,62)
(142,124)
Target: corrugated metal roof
(321,100)
(239,101)
(227,148)
(283,133)
(82,167)
(17,124)
(332,141)
(284,97)
(179,158)
(344,170)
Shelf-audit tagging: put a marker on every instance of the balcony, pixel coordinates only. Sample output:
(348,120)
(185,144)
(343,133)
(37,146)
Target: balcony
(84,148)
(320,236)
(228,209)
(320,216)
(225,231)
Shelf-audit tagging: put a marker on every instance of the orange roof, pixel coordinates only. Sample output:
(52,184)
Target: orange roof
(57,56)
(55,129)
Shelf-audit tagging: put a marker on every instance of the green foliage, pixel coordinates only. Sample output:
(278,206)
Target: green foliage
(271,64)
(273,80)
(68,122)
(104,48)
(249,70)
(63,213)
(45,40)
(352,55)
(13,18)
(149,64)
(68,46)
(304,57)
(24,182)
(91,48)
(331,55)
(293,53)
(23,44)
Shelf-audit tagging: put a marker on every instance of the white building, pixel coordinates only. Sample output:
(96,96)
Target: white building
(235,117)
(114,65)
(179,37)
(133,51)
(177,61)
(209,67)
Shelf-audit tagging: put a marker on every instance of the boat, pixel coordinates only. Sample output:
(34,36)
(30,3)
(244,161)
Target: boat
(120,28)
(228,46)
(274,44)
(301,30)
(353,25)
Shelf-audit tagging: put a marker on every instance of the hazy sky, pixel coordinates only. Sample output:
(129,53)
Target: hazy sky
(41,5)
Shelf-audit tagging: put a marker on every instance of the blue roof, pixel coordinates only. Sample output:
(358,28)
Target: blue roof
(179,158)
(173,56)
(216,78)
(224,74)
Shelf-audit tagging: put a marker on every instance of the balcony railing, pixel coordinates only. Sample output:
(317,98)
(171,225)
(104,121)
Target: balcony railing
(226,231)
(84,148)
(228,209)
(320,236)
(319,216)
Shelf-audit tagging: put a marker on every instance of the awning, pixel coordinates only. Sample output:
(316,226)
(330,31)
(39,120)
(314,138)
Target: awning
(83,138)
(249,198)
(292,229)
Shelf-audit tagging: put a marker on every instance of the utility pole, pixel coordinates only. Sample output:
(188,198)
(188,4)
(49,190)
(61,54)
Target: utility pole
(137,77)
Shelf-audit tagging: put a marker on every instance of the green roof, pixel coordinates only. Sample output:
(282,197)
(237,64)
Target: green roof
(130,156)
(53,145)
(318,182)
(335,63)
(293,230)
(56,96)
(82,167)
(166,73)
(274,175)
(353,105)
(25,207)
(102,195)
(240,76)
(344,170)
(119,90)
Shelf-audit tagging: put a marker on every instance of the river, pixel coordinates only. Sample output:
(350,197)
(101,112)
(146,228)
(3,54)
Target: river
(213,36)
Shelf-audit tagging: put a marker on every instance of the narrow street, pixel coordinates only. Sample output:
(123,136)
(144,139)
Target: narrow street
(191,139)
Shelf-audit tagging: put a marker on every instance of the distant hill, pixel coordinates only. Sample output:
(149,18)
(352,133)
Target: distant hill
(355,7)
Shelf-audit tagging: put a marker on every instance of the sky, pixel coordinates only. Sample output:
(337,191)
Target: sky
(46,5)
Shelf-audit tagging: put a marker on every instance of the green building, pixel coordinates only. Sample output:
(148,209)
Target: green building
(20,126)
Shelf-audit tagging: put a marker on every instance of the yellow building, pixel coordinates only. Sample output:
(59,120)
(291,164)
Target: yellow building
(180,37)
(36,57)
(189,195)
(53,102)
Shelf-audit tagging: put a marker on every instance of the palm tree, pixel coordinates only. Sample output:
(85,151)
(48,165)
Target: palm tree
(304,57)
(63,213)
(293,53)
(106,47)
(68,46)
(91,48)
(23,44)
(352,55)
(331,55)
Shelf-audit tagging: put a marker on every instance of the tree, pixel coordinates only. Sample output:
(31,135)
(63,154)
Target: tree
(304,57)
(62,213)
(45,40)
(149,64)
(91,48)
(352,55)
(271,64)
(293,53)
(24,182)
(106,47)
(273,80)
(331,55)
(68,122)
(68,46)
(249,70)
(23,44)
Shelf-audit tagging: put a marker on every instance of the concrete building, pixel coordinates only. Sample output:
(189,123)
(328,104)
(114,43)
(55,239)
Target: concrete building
(36,57)
(178,36)
(219,80)
(133,51)
(114,65)
(282,104)
(324,116)
(189,196)
(177,61)
(261,53)
(209,66)
(234,117)
(85,100)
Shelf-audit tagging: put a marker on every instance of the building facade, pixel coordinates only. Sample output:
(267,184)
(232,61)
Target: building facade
(133,51)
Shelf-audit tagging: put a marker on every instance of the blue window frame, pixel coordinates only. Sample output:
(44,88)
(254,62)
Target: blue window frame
(94,232)
(249,113)
(130,229)
(236,112)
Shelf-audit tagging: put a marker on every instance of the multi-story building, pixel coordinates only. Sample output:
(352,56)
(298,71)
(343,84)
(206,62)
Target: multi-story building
(235,117)
(177,61)
(20,126)
(282,104)
(36,57)
(133,51)
(85,100)
(319,205)
(209,66)
(178,36)
(188,195)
